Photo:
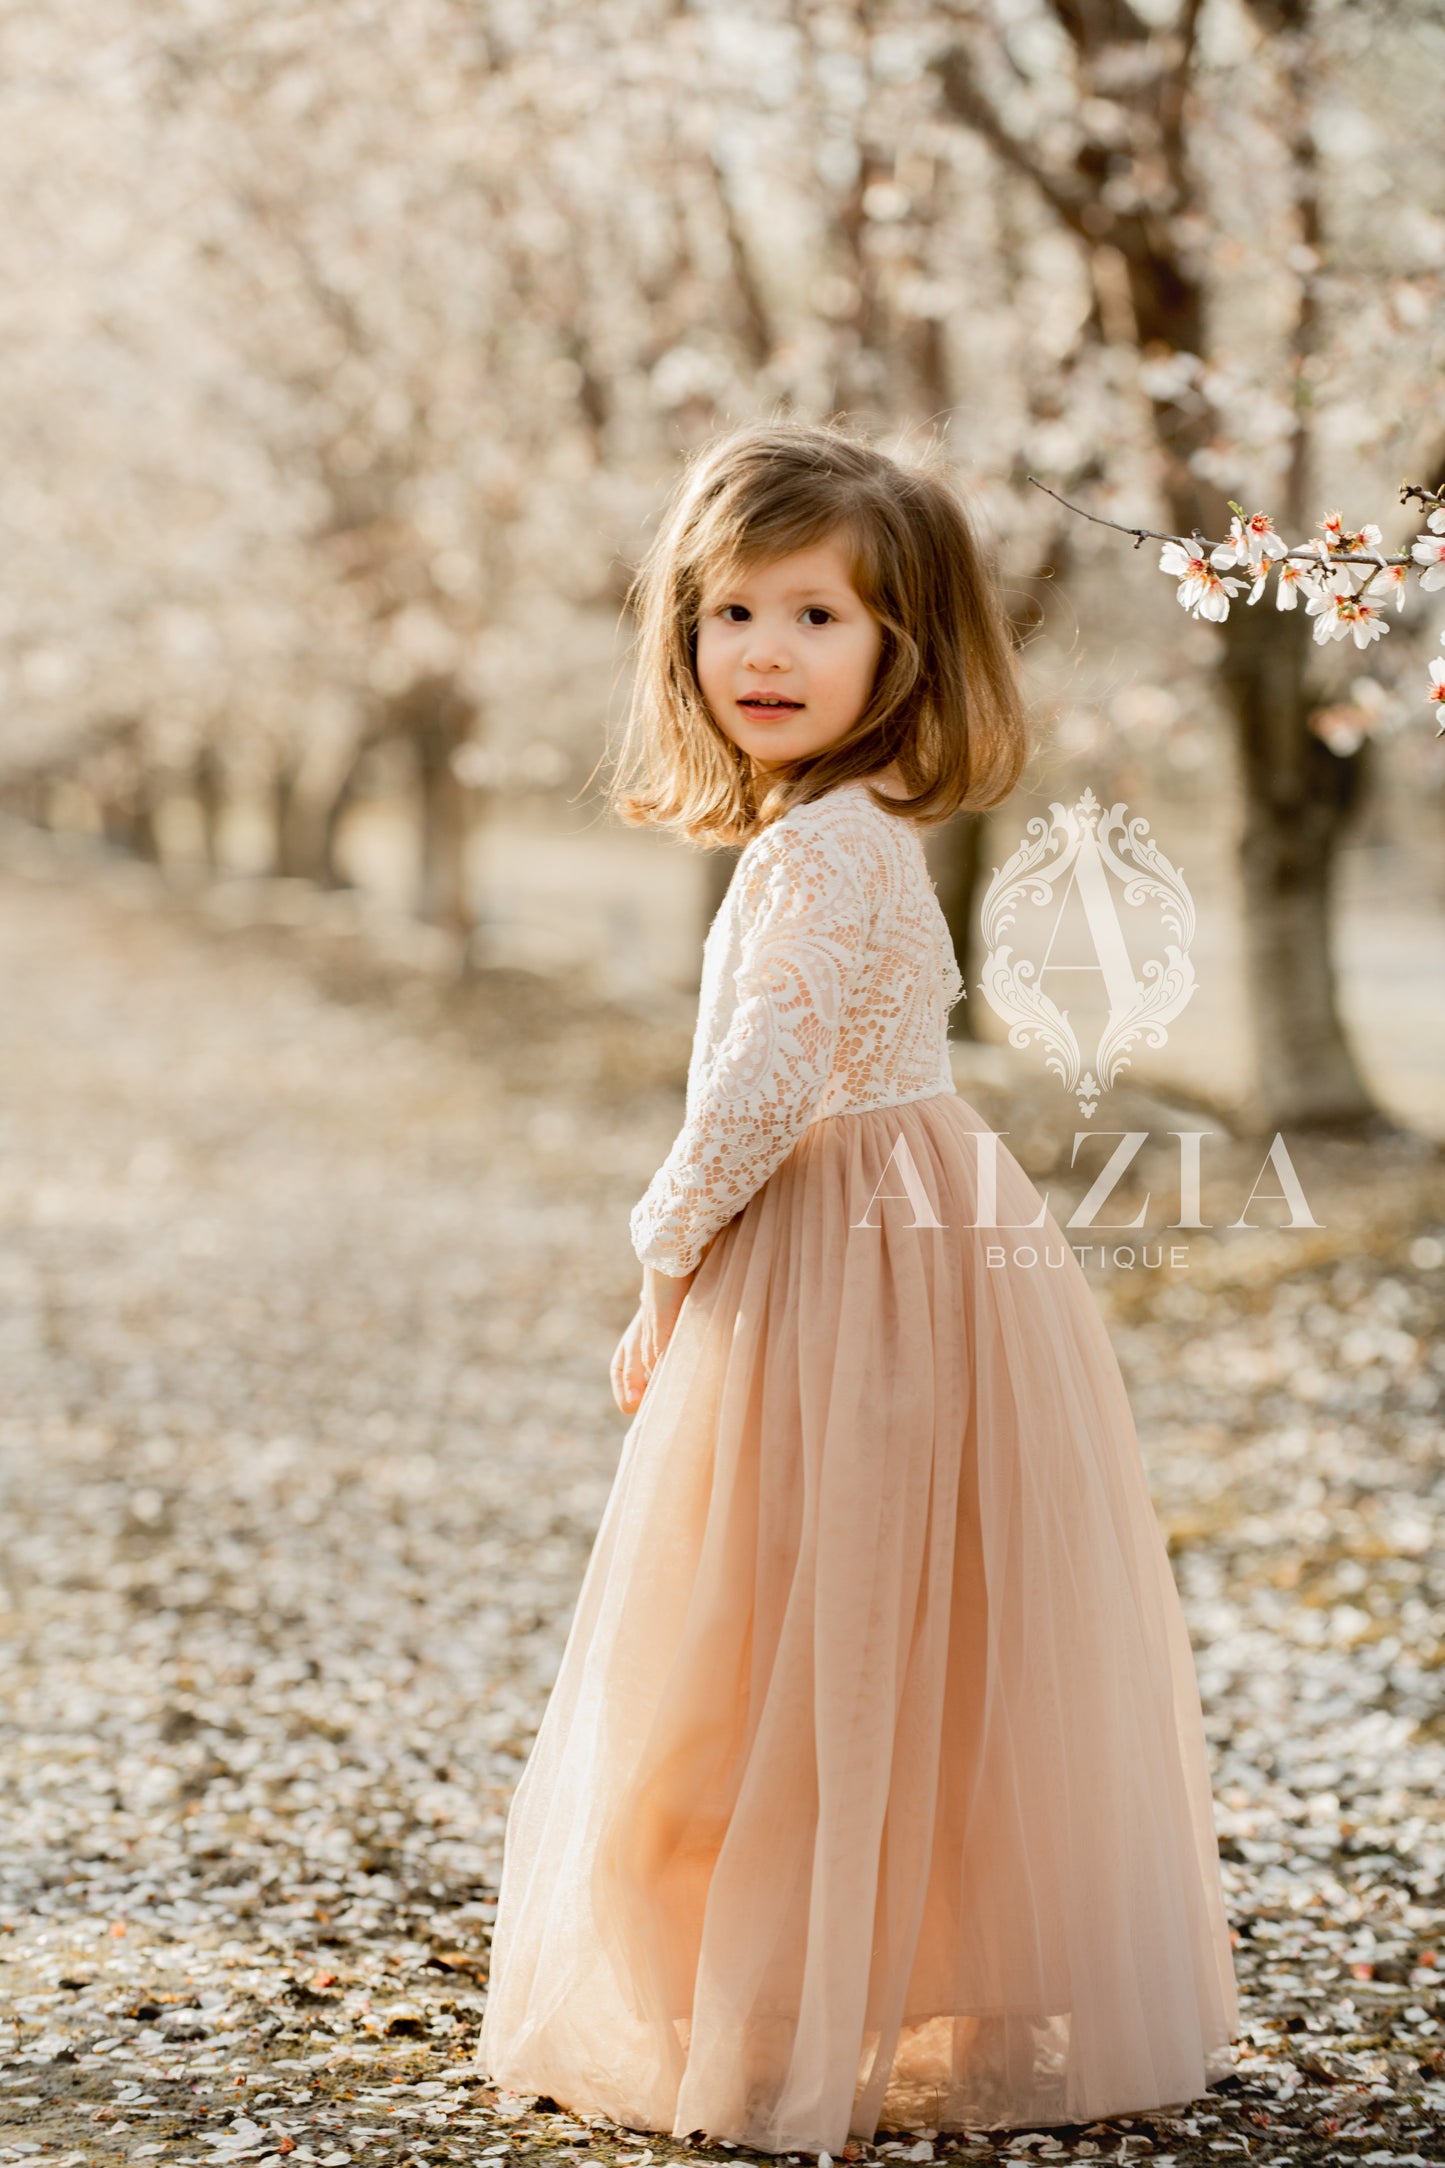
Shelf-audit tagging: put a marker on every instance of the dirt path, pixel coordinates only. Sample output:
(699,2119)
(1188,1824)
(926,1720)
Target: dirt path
(306,1304)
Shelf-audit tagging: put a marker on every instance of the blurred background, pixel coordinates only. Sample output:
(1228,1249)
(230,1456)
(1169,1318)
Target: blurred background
(351,349)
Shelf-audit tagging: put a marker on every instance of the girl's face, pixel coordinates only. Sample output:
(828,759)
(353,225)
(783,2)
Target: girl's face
(787,655)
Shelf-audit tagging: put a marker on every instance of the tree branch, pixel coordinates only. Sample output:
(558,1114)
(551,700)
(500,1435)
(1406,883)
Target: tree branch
(1174,96)
(1155,534)
(1088,28)
(967,103)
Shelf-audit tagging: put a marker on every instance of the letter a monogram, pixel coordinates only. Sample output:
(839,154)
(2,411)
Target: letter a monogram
(1078,842)
(923,1212)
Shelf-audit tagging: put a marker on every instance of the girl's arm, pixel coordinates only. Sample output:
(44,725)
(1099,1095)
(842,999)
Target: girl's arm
(804,925)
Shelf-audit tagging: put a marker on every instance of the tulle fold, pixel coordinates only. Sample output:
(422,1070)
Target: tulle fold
(873,1788)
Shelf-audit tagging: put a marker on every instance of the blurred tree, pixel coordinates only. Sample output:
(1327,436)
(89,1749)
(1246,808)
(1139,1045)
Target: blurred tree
(1119,169)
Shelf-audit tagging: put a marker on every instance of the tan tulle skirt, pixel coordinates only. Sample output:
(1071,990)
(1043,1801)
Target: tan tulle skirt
(873,1786)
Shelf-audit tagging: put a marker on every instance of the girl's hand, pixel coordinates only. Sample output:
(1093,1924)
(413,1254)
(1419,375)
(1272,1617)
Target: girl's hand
(639,1351)
(629,1371)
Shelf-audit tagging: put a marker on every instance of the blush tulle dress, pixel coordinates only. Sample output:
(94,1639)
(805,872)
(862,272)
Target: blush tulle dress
(872,1789)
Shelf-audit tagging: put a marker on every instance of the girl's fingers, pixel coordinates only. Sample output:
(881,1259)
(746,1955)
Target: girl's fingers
(621,1380)
(630,1371)
(652,1342)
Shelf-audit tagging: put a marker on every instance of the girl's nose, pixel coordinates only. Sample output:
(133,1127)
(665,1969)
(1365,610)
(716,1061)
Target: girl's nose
(765,652)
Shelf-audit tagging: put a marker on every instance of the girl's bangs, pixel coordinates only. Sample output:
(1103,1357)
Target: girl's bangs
(736,538)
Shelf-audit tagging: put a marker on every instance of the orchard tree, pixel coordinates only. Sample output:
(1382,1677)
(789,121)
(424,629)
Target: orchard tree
(1161,139)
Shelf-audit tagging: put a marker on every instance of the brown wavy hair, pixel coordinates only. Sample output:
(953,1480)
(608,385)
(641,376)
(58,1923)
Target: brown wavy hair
(945,705)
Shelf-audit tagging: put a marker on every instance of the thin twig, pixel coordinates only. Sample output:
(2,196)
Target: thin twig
(1154,534)
(1140,534)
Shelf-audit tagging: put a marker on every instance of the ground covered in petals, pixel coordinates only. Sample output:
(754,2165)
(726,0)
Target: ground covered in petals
(311,1265)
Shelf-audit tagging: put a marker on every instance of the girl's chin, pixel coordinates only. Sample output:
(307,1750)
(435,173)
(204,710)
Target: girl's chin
(770,747)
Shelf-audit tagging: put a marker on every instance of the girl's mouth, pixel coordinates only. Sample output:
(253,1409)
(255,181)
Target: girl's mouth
(768,704)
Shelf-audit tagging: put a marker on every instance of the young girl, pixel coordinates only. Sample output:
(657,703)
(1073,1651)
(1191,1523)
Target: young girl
(873,1787)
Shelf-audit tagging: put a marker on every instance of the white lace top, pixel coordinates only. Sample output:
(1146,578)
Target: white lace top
(827,979)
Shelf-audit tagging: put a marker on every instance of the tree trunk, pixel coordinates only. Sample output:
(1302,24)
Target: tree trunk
(1299,797)
(123,788)
(446,828)
(288,855)
(958,857)
(208,787)
(1298,800)
(438,720)
(342,797)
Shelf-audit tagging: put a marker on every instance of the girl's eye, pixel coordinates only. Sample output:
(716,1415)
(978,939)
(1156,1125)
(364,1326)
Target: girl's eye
(816,613)
(726,613)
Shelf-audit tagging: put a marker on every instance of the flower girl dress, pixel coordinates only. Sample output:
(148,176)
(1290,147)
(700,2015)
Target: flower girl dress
(873,1787)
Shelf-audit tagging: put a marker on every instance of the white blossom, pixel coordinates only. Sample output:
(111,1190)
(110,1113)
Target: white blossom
(1340,614)
(1202,591)
(1294,572)
(1429,551)
(1251,542)
(1339,538)
(1393,580)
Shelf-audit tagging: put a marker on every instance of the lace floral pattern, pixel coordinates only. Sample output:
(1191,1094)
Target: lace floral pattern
(827,979)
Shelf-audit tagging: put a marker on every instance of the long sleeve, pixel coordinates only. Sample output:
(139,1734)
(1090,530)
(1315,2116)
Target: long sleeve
(803,919)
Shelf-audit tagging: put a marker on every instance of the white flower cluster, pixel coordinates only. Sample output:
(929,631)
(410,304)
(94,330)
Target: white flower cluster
(1345,577)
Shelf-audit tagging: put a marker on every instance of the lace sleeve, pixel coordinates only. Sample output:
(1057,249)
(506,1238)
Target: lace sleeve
(804,917)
